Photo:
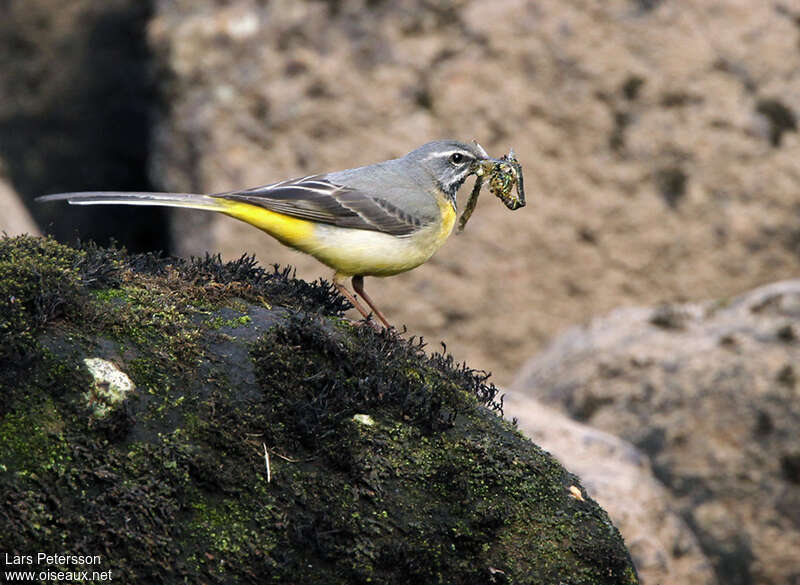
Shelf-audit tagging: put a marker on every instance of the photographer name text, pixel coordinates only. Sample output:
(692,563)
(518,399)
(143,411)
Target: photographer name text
(46,559)
(53,567)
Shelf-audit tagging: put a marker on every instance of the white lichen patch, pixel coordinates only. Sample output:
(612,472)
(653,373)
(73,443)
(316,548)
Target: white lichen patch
(111,386)
(364,419)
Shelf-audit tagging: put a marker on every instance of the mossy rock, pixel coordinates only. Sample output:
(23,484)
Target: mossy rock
(139,394)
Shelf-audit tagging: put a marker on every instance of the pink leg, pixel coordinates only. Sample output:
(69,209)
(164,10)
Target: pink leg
(348,295)
(358,286)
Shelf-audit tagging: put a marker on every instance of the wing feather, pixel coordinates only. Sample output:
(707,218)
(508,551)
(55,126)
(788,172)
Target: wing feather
(316,198)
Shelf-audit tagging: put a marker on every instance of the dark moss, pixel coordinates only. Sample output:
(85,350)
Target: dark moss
(39,281)
(339,374)
(387,463)
(215,279)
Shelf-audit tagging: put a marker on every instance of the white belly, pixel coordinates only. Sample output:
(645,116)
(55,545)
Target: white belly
(371,253)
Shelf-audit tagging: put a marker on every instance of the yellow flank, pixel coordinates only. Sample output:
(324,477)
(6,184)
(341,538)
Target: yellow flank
(349,251)
(289,230)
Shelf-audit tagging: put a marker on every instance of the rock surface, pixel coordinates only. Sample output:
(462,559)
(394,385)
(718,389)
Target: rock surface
(14,216)
(710,393)
(659,142)
(618,476)
(204,422)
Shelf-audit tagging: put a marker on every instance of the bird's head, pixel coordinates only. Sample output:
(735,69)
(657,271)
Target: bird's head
(450,162)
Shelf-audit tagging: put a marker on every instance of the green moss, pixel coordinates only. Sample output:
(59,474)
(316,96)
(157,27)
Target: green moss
(149,316)
(39,281)
(32,440)
(111,294)
(228,528)
(218,322)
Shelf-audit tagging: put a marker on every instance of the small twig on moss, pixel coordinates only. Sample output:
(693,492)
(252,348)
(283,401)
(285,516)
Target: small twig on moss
(290,460)
(284,457)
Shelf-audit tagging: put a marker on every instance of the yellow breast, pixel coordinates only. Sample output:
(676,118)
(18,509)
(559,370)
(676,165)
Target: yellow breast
(448,220)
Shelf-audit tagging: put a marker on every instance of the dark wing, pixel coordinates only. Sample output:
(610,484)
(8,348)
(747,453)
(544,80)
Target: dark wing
(318,199)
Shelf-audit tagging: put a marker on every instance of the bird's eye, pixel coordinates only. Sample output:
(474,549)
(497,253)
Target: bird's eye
(456,158)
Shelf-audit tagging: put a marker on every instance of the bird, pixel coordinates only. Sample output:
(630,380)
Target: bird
(376,220)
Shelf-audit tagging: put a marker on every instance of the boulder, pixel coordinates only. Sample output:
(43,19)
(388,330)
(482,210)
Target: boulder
(618,476)
(221,423)
(709,392)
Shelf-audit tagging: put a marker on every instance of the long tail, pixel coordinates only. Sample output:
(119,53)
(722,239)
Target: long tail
(292,231)
(186,200)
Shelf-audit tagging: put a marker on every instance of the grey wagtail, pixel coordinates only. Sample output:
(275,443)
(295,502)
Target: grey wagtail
(376,220)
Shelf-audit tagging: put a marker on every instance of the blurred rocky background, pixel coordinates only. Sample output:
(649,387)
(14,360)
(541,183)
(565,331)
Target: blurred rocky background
(708,392)
(660,148)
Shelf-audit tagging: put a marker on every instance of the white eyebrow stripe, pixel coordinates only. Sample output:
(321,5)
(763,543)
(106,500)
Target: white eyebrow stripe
(448,153)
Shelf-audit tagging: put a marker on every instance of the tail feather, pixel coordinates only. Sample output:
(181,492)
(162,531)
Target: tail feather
(186,200)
